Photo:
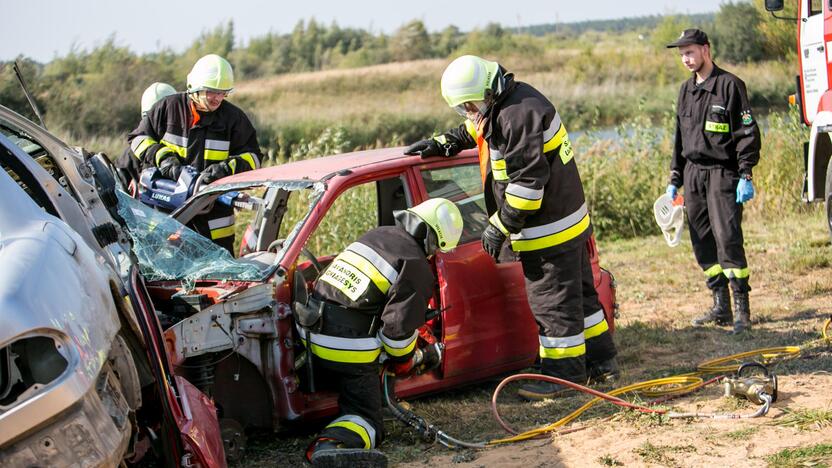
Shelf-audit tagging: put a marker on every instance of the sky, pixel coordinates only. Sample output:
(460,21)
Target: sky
(43,29)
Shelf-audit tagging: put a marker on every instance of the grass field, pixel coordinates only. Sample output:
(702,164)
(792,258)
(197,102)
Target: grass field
(659,290)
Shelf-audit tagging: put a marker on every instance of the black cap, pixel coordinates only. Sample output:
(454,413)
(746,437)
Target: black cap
(690,36)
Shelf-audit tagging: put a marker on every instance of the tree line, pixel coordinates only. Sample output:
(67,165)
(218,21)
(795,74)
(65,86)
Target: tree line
(88,93)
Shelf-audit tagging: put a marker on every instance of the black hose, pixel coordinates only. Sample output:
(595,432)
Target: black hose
(427,431)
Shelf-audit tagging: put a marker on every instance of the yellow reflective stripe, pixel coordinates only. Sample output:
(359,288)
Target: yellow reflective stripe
(556,140)
(472,129)
(525,245)
(595,324)
(233,166)
(498,223)
(142,143)
(563,353)
(398,348)
(716,127)
(252,160)
(216,155)
(523,204)
(343,355)
(499,174)
(713,271)
(162,153)
(222,232)
(353,427)
(366,267)
(736,272)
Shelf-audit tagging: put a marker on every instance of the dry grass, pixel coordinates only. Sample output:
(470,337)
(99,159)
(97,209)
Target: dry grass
(660,289)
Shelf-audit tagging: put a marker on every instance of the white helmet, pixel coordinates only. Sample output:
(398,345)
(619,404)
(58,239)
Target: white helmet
(153,94)
(436,221)
(670,216)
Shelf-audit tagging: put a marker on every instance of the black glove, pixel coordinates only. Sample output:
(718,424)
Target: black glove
(215,171)
(492,241)
(425,148)
(171,167)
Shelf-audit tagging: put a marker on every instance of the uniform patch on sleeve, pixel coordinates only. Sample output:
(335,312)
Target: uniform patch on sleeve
(746,117)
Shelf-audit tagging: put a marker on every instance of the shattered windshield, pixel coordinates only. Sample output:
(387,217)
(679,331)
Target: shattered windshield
(167,250)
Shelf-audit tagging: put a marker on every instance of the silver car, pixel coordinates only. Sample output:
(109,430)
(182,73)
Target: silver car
(84,377)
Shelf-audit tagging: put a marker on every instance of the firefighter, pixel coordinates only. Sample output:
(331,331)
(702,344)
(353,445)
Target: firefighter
(374,297)
(531,179)
(717,146)
(130,167)
(200,128)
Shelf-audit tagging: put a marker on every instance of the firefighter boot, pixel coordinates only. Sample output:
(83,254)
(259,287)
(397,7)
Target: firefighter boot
(604,371)
(743,318)
(541,390)
(720,313)
(329,453)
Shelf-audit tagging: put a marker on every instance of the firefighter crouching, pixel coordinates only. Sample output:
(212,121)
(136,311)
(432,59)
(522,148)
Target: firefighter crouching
(717,146)
(536,200)
(373,297)
(201,129)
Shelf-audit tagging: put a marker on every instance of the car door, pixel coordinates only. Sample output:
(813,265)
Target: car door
(487,326)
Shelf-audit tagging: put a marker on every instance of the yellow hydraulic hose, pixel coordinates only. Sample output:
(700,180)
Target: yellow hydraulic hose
(676,385)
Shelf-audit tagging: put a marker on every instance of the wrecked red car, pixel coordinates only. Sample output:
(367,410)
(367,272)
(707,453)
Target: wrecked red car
(230,327)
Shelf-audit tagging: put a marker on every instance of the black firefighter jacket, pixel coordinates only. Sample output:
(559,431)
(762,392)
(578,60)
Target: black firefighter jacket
(538,195)
(225,134)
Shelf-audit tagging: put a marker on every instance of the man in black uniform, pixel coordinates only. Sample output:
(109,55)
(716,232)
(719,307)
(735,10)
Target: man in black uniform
(201,129)
(717,146)
(537,200)
(373,297)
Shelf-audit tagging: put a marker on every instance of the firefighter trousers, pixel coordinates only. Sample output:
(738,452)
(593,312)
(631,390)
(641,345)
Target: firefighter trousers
(715,225)
(359,423)
(573,331)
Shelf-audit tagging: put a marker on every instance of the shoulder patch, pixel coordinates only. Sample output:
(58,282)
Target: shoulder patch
(746,117)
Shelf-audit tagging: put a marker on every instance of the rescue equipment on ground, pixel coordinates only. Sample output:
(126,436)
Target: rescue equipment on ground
(670,216)
(745,383)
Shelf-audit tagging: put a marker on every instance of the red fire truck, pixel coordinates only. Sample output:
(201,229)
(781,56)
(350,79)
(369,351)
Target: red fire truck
(814,94)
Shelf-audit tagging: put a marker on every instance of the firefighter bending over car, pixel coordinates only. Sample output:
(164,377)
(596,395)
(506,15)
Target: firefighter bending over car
(717,146)
(201,129)
(530,176)
(372,297)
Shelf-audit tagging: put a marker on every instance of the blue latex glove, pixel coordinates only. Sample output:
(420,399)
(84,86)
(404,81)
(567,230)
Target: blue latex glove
(745,191)
(672,191)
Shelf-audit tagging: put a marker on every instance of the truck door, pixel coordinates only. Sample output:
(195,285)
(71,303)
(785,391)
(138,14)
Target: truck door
(813,56)
(486,322)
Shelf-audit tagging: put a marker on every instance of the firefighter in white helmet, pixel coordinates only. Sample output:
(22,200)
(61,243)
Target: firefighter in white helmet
(128,166)
(201,129)
(536,201)
(372,297)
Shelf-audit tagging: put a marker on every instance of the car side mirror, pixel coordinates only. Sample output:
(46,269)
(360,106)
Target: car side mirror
(774,5)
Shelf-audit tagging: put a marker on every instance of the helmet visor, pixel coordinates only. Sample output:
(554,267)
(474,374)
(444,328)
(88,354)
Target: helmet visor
(471,110)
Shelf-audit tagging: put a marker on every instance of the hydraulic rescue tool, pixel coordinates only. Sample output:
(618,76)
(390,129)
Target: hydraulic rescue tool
(165,194)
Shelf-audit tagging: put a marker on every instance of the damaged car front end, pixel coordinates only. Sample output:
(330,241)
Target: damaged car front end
(84,377)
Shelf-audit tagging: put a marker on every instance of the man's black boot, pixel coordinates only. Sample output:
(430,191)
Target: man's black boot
(720,313)
(541,390)
(604,371)
(332,454)
(742,322)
